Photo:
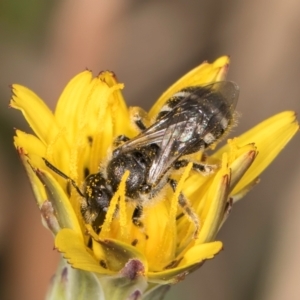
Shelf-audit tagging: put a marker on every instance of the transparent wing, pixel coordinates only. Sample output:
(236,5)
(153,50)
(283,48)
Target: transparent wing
(174,144)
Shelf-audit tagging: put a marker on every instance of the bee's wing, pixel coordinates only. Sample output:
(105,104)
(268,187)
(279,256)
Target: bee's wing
(174,144)
(189,127)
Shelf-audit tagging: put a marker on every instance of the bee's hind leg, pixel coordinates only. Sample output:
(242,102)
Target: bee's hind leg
(187,208)
(203,168)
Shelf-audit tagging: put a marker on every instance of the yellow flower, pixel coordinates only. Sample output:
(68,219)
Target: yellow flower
(78,138)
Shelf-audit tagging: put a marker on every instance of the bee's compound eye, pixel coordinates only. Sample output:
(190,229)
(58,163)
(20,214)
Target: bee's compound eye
(102,197)
(97,192)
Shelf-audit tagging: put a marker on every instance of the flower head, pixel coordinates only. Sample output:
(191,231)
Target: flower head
(78,140)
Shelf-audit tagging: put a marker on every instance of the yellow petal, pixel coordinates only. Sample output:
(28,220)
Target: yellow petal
(92,112)
(193,259)
(43,123)
(245,157)
(161,243)
(270,137)
(30,142)
(75,252)
(73,102)
(120,112)
(203,74)
(201,252)
(82,112)
(35,111)
(117,253)
(86,100)
(212,213)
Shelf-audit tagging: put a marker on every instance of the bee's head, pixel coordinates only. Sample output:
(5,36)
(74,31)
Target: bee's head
(97,195)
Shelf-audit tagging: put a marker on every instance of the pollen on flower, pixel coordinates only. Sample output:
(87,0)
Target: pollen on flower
(181,212)
(233,148)
(118,198)
(123,206)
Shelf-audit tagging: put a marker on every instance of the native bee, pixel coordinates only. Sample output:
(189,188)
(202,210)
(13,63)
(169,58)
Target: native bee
(190,121)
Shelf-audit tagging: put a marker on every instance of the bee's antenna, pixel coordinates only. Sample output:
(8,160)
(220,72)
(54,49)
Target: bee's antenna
(63,175)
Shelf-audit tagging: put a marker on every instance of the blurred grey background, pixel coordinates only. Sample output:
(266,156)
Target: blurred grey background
(150,44)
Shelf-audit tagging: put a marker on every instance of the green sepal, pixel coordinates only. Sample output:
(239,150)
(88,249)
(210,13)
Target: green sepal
(156,292)
(62,207)
(73,284)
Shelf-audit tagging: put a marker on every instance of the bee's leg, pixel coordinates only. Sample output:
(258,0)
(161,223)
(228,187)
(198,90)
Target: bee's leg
(120,140)
(140,118)
(138,121)
(136,216)
(203,168)
(186,207)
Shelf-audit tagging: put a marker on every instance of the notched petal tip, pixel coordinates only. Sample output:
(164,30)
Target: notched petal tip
(110,78)
(13,88)
(107,74)
(71,245)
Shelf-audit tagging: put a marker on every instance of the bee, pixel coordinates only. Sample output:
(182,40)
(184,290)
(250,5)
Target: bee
(192,120)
